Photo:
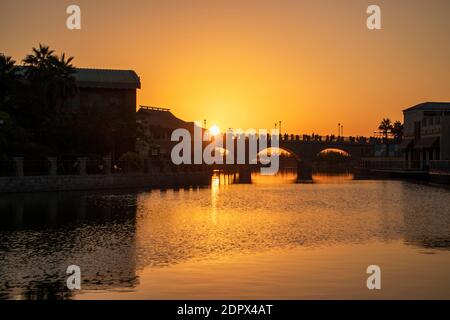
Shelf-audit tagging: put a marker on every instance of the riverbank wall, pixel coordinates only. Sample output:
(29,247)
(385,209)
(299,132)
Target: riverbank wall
(440,178)
(101,181)
(365,174)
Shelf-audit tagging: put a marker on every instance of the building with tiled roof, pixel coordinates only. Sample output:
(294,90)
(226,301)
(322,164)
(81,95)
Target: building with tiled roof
(426,134)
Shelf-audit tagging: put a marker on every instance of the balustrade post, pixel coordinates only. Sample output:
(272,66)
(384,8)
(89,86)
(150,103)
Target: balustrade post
(107,165)
(53,166)
(18,167)
(82,166)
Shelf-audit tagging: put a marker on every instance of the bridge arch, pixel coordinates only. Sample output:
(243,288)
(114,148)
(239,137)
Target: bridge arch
(282,149)
(307,153)
(338,150)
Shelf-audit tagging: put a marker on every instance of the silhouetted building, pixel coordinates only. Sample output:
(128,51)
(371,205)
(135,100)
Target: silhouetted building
(110,97)
(103,90)
(154,130)
(105,103)
(426,135)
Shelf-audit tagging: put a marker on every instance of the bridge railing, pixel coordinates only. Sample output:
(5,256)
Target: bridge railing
(331,138)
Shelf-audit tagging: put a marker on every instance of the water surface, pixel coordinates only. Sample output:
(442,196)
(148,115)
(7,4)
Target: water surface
(269,240)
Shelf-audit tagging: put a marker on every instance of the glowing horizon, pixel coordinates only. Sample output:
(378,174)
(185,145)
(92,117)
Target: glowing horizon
(250,64)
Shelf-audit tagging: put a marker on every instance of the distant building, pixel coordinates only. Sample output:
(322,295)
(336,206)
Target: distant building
(110,96)
(426,134)
(154,130)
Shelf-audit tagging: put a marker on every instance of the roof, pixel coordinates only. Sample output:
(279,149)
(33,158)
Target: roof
(432,106)
(104,78)
(163,118)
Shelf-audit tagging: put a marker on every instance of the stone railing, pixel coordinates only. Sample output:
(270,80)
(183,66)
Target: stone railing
(85,174)
(52,166)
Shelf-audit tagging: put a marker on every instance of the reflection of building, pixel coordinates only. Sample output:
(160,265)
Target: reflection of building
(154,130)
(426,134)
(43,234)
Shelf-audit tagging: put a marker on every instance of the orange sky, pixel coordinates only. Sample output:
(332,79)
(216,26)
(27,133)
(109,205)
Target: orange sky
(248,64)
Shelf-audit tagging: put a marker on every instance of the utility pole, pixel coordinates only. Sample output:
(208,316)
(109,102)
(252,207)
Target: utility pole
(280,127)
(339,129)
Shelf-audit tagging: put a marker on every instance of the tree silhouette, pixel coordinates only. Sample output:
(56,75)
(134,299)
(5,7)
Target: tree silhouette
(52,77)
(397,130)
(63,82)
(385,127)
(8,69)
(8,81)
(51,85)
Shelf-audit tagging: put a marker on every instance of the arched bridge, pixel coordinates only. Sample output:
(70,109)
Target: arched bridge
(306,148)
(306,151)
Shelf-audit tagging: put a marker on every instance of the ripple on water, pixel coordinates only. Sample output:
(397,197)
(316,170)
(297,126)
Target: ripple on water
(113,236)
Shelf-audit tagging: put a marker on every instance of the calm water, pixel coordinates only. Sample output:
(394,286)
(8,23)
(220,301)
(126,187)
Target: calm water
(272,239)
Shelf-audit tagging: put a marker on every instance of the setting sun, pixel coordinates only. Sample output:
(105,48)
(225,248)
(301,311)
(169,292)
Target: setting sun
(214,130)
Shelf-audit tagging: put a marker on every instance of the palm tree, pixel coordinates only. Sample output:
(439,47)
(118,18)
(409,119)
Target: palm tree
(64,84)
(39,60)
(8,77)
(8,72)
(38,74)
(7,67)
(397,130)
(53,76)
(51,84)
(385,127)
